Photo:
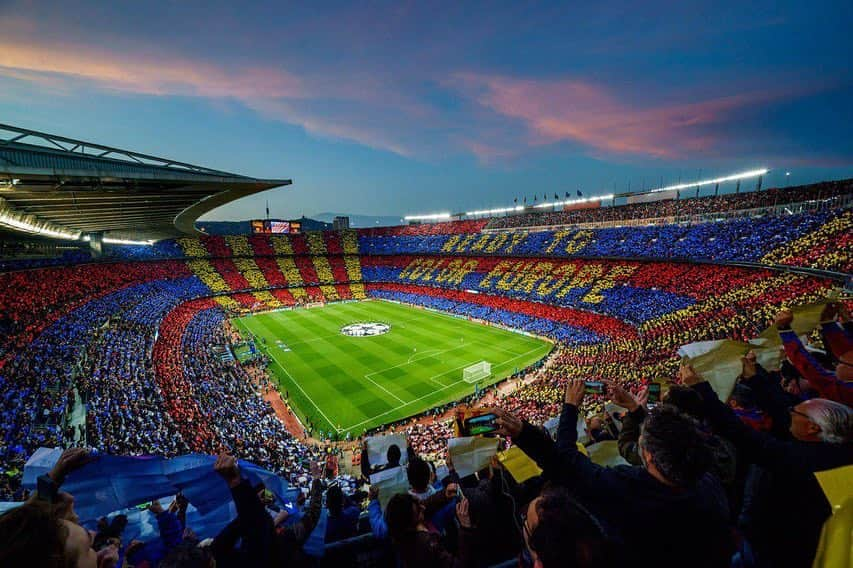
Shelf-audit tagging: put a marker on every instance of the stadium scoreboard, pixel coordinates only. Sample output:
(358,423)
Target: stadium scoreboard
(275,226)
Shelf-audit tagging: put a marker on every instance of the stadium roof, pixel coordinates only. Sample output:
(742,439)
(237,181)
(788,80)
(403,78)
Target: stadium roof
(61,187)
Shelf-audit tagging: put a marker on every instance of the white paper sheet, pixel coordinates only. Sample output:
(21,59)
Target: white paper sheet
(471,454)
(377,448)
(390,482)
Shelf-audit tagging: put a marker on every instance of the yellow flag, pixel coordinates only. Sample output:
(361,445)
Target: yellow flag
(837,484)
(836,547)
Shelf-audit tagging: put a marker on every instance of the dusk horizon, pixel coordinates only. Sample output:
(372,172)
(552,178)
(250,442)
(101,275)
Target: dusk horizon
(392,110)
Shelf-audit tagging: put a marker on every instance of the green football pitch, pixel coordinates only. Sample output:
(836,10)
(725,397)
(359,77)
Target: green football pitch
(348,384)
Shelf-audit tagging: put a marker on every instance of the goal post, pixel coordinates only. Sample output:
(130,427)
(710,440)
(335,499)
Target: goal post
(477,372)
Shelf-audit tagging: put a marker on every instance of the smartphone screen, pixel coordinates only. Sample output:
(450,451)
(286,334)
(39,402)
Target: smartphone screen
(654,392)
(143,506)
(594,387)
(482,424)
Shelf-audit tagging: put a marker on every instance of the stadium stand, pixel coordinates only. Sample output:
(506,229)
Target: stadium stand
(681,207)
(131,355)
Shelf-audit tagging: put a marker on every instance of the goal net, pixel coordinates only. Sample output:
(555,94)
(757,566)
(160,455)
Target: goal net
(477,372)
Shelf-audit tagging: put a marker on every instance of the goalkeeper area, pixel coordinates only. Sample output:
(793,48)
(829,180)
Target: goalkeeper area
(349,367)
(476,373)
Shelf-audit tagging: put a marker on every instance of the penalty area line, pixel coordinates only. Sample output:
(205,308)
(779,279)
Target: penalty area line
(432,393)
(402,406)
(386,390)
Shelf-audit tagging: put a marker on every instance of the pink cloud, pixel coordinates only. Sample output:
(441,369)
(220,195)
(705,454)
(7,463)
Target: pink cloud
(389,111)
(590,114)
(148,75)
(271,91)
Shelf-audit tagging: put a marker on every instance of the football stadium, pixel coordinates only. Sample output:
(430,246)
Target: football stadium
(542,337)
(353,377)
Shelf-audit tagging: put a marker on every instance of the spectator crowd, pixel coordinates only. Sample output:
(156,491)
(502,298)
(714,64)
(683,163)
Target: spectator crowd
(693,469)
(683,206)
(133,359)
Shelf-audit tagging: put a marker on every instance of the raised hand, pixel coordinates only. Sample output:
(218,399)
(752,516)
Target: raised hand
(226,467)
(620,396)
(574,393)
(642,397)
(509,425)
(688,375)
(71,459)
(463,514)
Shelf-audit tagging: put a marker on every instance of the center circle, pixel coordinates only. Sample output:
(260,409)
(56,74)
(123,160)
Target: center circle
(368,329)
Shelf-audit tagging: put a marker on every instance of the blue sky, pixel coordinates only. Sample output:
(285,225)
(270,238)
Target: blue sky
(396,107)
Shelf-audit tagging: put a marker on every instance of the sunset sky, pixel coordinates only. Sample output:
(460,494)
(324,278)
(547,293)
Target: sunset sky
(397,107)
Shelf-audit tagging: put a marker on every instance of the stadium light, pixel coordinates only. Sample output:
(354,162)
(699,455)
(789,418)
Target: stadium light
(21,225)
(494,211)
(574,201)
(561,203)
(112,241)
(431,217)
(542,205)
(734,177)
(28,223)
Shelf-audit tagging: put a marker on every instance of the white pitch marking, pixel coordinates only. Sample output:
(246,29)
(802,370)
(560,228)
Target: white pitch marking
(323,414)
(404,404)
(429,394)
(383,388)
(412,360)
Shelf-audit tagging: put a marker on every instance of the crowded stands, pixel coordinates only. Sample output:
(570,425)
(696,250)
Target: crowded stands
(133,360)
(683,206)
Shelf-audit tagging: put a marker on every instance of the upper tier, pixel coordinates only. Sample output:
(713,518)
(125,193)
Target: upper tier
(673,209)
(822,240)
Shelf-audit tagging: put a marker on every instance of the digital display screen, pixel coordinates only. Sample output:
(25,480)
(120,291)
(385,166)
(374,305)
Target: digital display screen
(279,226)
(275,227)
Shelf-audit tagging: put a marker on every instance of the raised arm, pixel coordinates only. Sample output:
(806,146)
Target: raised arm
(574,469)
(256,527)
(762,449)
(629,437)
(823,381)
(769,395)
(306,524)
(378,526)
(533,441)
(836,339)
